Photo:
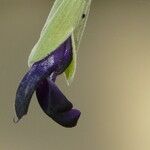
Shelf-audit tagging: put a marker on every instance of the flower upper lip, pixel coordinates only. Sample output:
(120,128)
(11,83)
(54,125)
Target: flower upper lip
(41,78)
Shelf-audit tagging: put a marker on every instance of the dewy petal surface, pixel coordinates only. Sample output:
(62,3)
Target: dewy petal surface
(56,105)
(56,62)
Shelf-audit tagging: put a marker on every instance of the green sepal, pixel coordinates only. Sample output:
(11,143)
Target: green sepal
(65,19)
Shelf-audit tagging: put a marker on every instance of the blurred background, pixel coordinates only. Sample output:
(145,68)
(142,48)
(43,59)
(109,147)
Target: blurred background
(111,86)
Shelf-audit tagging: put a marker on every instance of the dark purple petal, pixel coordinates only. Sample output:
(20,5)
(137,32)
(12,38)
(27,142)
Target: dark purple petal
(56,63)
(55,104)
(51,98)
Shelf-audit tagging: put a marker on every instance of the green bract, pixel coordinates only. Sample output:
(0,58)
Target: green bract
(67,18)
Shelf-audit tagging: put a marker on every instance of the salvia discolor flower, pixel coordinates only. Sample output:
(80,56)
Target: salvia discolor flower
(54,54)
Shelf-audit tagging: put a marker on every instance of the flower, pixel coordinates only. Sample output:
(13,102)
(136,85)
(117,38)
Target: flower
(41,78)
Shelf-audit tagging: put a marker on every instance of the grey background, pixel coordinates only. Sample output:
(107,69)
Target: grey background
(111,86)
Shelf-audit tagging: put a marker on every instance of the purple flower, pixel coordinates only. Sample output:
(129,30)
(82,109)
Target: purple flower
(41,78)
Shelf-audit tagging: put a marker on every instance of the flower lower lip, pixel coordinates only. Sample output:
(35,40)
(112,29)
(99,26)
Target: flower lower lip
(56,105)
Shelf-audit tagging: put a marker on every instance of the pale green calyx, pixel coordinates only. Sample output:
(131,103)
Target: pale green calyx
(66,18)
